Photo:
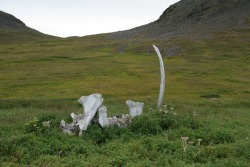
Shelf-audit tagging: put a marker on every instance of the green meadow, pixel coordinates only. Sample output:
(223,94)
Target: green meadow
(207,85)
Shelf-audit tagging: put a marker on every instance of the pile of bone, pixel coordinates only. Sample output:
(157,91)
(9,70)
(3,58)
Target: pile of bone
(94,111)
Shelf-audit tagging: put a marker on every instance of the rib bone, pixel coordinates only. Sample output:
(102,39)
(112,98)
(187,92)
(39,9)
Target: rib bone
(162,85)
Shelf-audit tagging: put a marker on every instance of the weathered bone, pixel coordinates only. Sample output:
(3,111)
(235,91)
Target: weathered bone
(81,101)
(135,108)
(119,120)
(162,85)
(91,104)
(103,118)
(76,118)
(80,122)
(69,128)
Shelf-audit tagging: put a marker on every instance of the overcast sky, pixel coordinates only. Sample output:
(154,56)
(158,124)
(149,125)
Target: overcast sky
(84,17)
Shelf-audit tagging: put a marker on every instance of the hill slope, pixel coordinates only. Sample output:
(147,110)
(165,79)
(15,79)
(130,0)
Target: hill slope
(194,16)
(11,22)
(13,30)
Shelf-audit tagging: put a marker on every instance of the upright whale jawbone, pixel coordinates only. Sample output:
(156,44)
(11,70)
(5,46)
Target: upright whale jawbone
(162,85)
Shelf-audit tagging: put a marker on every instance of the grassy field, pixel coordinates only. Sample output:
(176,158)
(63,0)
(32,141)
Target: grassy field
(207,84)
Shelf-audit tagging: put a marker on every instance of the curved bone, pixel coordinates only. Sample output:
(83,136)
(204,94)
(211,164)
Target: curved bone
(162,85)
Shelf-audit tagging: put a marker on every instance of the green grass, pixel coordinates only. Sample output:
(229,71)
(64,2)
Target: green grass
(207,84)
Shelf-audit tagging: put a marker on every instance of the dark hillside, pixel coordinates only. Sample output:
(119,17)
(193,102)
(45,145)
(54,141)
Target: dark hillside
(189,17)
(10,21)
(13,30)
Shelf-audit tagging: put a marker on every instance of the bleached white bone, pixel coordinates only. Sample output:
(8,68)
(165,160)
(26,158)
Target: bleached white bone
(90,104)
(76,118)
(162,85)
(103,117)
(135,108)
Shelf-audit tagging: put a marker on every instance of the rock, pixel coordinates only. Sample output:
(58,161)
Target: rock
(192,18)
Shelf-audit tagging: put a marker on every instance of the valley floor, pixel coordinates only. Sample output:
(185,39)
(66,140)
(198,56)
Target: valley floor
(207,85)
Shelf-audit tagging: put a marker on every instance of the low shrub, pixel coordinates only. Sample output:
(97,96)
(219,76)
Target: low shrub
(102,135)
(210,95)
(37,126)
(221,137)
(218,151)
(146,125)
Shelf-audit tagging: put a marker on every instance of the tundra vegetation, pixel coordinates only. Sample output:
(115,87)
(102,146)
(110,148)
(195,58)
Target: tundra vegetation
(204,121)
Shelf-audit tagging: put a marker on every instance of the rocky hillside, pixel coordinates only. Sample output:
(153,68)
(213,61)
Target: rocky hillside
(193,17)
(13,30)
(10,21)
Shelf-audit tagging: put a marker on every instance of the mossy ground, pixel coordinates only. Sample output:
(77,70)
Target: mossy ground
(207,84)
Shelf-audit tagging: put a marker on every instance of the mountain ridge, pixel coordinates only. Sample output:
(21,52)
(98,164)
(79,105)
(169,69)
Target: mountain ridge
(184,18)
(188,17)
(9,21)
(13,30)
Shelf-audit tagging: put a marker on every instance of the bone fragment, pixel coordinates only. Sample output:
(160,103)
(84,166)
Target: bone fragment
(91,104)
(135,108)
